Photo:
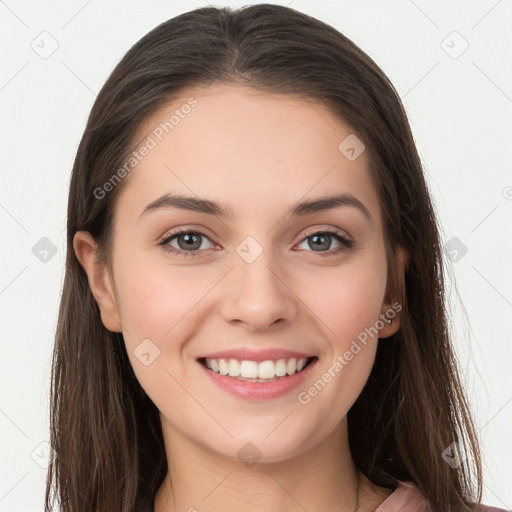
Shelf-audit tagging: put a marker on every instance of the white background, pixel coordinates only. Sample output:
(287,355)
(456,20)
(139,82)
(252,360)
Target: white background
(460,112)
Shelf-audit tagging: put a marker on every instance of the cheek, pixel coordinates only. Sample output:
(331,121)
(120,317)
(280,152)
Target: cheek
(157,304)
(155,299)
(346,300)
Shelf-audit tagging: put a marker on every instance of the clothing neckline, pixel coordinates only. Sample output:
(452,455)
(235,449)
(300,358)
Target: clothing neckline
(406,497)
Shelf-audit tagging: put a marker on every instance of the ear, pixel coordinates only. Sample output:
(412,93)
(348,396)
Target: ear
(99,280)
(391,307)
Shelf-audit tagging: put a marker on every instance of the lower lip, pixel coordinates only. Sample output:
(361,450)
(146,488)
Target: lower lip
(259,390)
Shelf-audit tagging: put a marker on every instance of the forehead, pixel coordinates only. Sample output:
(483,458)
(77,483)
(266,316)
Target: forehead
(240,146)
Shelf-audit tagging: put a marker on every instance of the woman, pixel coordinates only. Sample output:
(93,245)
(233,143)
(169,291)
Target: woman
(253,311)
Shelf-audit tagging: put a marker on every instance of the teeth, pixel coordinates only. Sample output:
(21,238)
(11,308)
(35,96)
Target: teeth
(223,367)
(266,370)
(252,370)
(234,368)
(281,368)
(248,369)
(291,366)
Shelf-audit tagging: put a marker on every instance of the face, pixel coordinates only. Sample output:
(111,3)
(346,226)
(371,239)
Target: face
(263,280)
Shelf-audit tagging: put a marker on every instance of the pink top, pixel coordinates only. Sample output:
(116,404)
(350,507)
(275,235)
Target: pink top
(407,498)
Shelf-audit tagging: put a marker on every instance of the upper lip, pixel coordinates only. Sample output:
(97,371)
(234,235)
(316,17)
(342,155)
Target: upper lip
(247,354)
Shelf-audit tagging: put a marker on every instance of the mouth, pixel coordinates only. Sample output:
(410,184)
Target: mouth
(258,371)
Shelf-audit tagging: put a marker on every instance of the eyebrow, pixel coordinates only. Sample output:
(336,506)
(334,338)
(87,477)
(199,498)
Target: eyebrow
(197,204)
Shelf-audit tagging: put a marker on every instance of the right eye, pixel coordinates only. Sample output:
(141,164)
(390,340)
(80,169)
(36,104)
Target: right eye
(189,242)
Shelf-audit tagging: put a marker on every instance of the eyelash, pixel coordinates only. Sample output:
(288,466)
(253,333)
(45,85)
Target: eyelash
(346,244)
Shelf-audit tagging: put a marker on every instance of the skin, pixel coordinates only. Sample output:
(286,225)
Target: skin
(259,154)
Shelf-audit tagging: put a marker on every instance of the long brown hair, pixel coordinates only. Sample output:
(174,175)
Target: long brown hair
(107,445)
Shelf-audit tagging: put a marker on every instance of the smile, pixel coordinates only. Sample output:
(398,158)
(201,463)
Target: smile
(257,381)
(253,371)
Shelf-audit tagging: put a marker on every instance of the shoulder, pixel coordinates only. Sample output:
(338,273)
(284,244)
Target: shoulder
(407,498)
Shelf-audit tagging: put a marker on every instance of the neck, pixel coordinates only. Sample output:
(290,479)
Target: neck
(324,478)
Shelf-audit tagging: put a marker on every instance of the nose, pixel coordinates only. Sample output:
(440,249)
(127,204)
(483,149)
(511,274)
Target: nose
(258,295)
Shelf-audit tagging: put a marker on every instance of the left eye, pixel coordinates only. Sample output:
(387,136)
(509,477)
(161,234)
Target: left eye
(323,240)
